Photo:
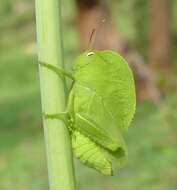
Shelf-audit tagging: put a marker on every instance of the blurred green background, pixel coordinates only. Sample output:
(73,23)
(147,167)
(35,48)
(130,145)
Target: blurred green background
(151,141)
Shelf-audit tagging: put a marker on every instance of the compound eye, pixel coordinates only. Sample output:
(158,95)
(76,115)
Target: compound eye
(90,53)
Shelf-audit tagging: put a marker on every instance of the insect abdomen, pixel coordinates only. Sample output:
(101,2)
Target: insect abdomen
(90,154)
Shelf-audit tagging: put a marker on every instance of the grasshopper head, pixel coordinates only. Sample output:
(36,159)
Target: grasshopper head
(83,60)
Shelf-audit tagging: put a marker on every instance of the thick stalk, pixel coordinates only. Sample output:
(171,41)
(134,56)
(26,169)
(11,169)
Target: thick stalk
(57,140)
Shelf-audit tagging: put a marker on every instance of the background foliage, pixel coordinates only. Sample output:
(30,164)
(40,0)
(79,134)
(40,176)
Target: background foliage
(151,140)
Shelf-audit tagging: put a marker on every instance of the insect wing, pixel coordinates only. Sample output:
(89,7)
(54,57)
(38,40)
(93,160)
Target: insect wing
(109,75)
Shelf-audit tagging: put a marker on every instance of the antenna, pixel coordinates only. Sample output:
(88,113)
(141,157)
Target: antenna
(93,34)
(92,39)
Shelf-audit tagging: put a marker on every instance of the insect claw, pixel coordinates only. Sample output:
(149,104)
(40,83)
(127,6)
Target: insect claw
(46,116)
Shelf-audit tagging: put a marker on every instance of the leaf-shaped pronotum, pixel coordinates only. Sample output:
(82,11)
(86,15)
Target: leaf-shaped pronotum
(101,104)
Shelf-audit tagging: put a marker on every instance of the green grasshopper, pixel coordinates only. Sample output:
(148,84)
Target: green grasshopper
(100,105)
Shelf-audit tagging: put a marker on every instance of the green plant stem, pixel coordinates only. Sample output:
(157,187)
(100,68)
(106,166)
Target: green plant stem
(57,139)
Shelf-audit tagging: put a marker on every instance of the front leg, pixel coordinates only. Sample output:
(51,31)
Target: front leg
(59,71)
